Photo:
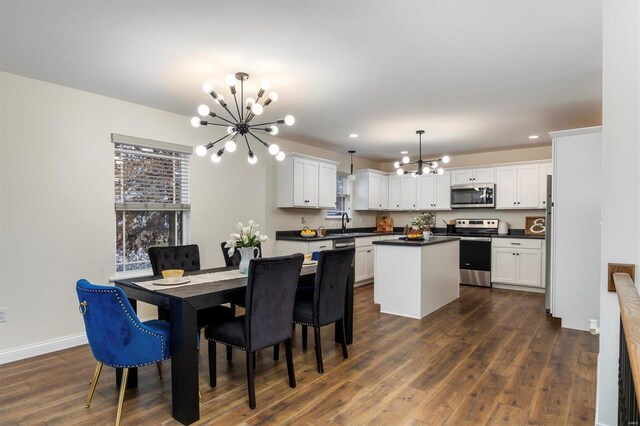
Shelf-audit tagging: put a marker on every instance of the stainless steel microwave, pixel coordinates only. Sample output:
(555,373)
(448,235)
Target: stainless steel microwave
(473,195)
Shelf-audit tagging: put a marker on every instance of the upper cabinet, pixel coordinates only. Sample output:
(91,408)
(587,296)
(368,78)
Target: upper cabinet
(306,182)
(394,192)
(546,169)
(408,192)
(483,175)
(371,190)
(434,192)
(517,187)
(327,177)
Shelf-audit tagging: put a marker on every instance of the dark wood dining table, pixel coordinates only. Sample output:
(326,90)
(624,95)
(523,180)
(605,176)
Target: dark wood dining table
(183,304)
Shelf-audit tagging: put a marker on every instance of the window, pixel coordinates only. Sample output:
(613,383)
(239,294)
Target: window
(151,198)
(343,198)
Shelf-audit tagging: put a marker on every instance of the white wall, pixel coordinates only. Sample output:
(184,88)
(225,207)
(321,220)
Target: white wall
(620,180)
(576,226)
(57,221)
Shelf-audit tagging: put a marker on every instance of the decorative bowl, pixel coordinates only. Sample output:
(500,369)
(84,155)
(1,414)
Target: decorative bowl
(172,274)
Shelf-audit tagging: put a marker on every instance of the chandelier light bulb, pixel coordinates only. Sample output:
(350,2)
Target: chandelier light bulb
(400,172)
(440,171)
(414,174)
(230,146)
(274,149)
(201,150)
(230,80)
(273,96)
(249,102)
(252,159)
(230,130)
(257,109)
(352,178)
(406,159)
(396,164)
(207,88)
(434,164)
(195,122)
(273,130)
(280,156)
(446,159)
(265,85)
(215,158)
(220,99)
(203,110)
(289,120)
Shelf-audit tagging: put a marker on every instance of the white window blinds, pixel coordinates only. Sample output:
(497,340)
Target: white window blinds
(150,175)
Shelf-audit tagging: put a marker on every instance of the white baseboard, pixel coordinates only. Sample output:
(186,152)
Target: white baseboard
(518,288)
(41,348)
(45,347)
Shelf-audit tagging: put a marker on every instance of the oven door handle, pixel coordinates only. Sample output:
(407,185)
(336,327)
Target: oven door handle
(486,239)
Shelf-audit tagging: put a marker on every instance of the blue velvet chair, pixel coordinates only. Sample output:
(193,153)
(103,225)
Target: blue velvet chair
(116,336)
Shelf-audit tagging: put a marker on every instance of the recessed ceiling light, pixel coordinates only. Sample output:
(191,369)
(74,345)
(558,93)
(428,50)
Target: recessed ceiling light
(534,137)
(353,135)
(404,152)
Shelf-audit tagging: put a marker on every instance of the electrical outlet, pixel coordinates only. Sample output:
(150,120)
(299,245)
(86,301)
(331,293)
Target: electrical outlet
(303,220)
(4,314)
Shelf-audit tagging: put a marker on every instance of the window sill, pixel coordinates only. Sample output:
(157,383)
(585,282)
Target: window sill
(131,275)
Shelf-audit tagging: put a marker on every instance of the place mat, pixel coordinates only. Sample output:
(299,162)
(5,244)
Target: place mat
(194,280)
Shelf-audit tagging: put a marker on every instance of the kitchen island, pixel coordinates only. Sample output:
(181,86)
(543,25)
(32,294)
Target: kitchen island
(415,278)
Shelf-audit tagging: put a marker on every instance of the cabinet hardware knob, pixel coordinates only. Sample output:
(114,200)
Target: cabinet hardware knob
(514,202)
(518,202)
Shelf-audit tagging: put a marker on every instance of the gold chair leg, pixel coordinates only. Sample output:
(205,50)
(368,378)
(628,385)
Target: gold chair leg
(159,365)
(199,394)
(123,387)
(92,389)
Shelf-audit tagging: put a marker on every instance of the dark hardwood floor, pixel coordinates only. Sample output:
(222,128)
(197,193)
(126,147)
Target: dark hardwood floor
(491,357)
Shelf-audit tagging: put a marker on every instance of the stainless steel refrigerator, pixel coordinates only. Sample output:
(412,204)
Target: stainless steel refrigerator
(547,241)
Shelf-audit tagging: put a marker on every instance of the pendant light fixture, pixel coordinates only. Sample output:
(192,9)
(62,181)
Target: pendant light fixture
(239,125)
(424,166)
(352,177)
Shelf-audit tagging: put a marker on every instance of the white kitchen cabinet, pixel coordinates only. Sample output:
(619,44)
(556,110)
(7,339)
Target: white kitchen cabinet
(394,192)
(284,248)
(481,175)
(327,177)
(371,190)
(517,187)
(517,261)
(306,182)
(545,169)
(408,192)
(365,259)
(434,192)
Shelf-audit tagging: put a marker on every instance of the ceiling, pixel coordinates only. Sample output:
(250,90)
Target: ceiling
(477,75)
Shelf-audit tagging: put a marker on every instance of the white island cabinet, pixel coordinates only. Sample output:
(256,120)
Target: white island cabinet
(414,279)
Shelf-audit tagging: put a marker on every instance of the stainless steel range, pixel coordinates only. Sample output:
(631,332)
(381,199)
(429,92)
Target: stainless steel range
(475,250)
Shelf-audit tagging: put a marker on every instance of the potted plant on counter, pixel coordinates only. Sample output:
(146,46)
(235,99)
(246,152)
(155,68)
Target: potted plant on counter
(245,241)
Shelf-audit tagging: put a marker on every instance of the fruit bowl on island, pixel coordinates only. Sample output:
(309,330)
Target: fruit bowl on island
(308,233)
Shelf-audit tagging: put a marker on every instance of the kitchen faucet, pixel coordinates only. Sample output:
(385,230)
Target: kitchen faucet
(344,223)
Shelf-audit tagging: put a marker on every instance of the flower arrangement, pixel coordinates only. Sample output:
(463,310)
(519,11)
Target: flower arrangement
(424,222)
(247,236)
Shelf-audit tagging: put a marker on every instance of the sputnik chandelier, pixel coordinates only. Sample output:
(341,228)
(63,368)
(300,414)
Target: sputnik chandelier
(424,166)
(238,126)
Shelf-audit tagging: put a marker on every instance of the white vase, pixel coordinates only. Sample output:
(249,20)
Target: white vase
(246,254)
(426,235)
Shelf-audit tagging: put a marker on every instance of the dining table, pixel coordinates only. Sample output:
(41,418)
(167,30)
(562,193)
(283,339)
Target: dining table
(183,303)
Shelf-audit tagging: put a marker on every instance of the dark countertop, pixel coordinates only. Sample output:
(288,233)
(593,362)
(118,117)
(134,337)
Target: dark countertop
(335,234)
(513,233)
(432,241)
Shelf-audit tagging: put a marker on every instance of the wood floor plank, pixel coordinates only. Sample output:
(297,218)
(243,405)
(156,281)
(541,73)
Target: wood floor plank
(491,356)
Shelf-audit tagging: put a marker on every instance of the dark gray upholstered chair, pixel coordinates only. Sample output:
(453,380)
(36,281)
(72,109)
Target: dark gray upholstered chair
(327,302)
(188,259)
(271,291)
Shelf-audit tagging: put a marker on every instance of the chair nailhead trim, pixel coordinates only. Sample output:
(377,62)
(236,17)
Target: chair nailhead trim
(134,322)
(228,344)
(303,323)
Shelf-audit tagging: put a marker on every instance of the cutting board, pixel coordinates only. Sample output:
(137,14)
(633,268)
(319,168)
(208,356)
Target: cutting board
(384,223)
